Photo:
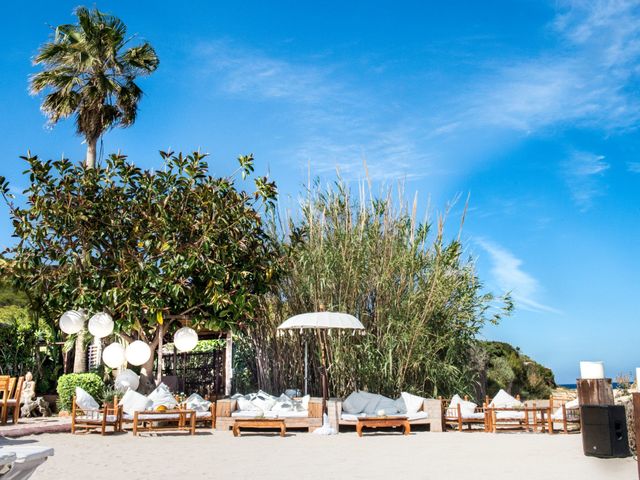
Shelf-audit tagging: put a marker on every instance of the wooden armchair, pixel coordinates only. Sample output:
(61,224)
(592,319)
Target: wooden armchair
(560,413)
(455,417)
(14,395)
(207,418)
(4,397)
(107,416)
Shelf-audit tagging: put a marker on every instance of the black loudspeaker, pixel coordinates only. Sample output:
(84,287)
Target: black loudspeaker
(604,431)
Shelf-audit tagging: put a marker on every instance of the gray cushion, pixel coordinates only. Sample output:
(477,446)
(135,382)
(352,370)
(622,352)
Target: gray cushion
(357,402)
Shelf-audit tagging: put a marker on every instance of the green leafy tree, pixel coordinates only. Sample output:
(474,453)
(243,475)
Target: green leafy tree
(142,245)
(89,71)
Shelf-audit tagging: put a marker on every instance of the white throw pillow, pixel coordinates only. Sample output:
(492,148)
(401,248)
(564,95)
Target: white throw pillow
(85,401)
(283,404)
(466,407)
(412,402)
(134,402)
(356,402)
(504,400)
(162,396)
(246,404)
(455,400)
(197,403)
(304,402)
(264,401)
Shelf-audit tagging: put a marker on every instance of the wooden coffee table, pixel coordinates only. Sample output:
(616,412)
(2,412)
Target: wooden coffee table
(169,420)
(259,423)
(375,422)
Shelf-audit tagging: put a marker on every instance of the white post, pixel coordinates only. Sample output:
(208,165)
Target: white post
(306,366)
(228,365)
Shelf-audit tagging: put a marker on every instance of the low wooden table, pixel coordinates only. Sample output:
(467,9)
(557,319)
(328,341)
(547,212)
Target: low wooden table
(180,420)
(375,422)
(259,423)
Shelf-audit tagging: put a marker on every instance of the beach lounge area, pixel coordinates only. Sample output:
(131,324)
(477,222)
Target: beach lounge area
(320,240)
(301,455)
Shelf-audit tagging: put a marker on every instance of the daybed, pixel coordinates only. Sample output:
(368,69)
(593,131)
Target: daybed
(360,404)
(305,412)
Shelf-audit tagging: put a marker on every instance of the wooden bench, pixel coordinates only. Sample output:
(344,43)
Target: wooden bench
(383,422)
(259,423)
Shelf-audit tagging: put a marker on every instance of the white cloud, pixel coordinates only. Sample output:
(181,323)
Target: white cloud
(507,273)
(583,173)
(633,167)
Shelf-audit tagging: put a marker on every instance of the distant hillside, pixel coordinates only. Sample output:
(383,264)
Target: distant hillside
(500,365)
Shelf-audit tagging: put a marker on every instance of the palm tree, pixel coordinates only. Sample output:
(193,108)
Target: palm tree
(90,72)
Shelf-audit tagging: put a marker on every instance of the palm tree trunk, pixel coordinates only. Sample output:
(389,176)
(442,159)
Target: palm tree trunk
(80,358)
(91,152)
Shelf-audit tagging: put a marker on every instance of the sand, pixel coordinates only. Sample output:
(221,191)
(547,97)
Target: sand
(301,455)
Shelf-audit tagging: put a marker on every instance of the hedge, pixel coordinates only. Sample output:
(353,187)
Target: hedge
(67,384)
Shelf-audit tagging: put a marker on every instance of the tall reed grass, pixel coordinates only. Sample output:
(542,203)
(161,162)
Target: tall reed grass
(417,294)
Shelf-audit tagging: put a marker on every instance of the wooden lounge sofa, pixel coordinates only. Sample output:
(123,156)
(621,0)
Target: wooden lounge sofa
(226,412)
(107,416)
(457,417)
(430,414)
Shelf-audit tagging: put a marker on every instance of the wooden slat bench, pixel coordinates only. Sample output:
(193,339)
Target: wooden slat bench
(259,423)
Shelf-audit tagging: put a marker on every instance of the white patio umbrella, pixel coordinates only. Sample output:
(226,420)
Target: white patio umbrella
(321,321)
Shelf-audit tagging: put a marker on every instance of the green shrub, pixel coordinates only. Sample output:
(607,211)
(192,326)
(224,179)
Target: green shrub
(67,384)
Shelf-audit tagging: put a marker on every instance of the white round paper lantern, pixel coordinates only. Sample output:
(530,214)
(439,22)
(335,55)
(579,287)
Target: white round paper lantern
(185,339)
(138,352)
(72,322)
(127,380)
(113,355)
(101,325)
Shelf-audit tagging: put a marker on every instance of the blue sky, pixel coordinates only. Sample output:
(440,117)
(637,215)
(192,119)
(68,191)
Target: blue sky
(531,107)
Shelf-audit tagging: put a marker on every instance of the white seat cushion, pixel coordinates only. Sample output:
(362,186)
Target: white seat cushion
(352,417)
(417,416)
(473,416)
(509,415)
(158,417)
(247,414)
(206,414)
(289,414)
(96,419)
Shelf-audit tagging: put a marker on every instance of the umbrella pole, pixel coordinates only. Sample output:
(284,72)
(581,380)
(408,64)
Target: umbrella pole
(306,367)
(323,368)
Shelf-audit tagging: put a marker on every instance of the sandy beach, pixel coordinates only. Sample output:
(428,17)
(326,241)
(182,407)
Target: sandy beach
(299,455)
